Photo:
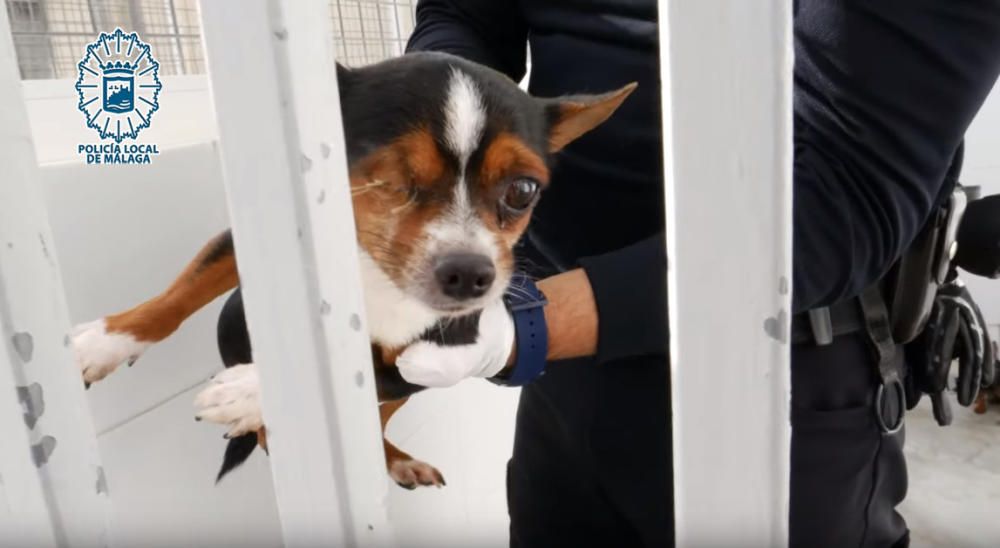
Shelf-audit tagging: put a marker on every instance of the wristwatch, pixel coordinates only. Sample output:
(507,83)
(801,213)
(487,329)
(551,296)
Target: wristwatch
(526,303)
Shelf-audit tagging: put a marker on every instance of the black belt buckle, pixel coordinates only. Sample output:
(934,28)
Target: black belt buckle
(889,393)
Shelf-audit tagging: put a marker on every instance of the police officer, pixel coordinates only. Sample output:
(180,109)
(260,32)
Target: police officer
(883,94)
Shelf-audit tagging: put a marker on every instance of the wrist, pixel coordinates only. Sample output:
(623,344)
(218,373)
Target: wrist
(528,351)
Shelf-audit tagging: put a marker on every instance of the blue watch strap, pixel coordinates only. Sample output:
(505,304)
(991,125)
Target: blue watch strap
(525,303)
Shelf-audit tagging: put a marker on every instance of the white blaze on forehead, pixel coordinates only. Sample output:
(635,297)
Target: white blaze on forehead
(464,116)
(460,229)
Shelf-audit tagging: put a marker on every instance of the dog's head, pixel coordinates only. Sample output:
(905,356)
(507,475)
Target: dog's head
(447,159)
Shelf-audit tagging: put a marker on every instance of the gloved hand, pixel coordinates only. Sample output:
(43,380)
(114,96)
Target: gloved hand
(955,331)
(436,364)
(979,238)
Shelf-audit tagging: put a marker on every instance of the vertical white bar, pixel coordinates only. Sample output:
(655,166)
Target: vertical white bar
(271,65)
(25,519)
(34,358)
(726,72)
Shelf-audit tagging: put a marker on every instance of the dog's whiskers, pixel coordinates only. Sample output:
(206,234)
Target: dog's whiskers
(370,185)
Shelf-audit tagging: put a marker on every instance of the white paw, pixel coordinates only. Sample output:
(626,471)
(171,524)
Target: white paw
(98,353)
(411,472)
(232,398)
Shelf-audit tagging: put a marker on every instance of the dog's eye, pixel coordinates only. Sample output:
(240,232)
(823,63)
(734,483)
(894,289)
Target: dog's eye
(520,194)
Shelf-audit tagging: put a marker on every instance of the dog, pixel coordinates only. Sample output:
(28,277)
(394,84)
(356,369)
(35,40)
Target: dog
(447,159)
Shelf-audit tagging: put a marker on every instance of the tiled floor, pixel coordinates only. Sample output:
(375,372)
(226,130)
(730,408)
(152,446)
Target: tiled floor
(954,495)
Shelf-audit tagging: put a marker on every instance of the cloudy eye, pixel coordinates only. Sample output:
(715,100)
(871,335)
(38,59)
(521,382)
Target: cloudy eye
(520,194)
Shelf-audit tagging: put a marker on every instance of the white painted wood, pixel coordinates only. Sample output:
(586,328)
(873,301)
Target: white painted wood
(726,69)
(34,354)
(275,91)
(25,519)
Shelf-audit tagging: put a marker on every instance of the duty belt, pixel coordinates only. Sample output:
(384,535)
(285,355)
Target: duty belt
(868,313)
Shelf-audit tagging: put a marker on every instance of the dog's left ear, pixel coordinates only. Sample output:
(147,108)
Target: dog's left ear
(571,117)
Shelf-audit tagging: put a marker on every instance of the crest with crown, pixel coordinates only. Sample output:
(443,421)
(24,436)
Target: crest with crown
(118,85)
(118,68)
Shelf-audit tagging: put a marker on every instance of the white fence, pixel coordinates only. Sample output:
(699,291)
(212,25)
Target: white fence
(329,481)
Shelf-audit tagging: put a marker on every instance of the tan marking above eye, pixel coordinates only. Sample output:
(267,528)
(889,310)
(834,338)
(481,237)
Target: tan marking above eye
(411,159)
(507,155)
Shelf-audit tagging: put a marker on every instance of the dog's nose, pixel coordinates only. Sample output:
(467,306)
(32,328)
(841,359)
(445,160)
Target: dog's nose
(465,275)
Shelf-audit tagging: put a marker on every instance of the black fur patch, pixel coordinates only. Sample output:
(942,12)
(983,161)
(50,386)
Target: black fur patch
(231,332)
(222,246)
(454,331)
(390,385)
(238,451)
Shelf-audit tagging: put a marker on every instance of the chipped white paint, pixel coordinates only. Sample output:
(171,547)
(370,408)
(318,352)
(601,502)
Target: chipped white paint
(726,68)
(275,95)
(56,502)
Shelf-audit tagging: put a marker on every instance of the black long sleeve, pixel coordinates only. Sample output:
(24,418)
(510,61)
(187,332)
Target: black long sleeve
(883,93)
(489,32)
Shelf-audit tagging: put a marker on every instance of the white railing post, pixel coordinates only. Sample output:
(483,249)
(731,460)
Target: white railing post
(271,65)
(726,72)
(61,497)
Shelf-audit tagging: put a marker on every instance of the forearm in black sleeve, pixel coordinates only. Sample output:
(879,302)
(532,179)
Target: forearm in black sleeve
(489,32)
(884,92)
(630,289)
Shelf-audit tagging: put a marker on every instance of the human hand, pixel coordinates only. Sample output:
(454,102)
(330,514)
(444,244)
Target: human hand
(430,363)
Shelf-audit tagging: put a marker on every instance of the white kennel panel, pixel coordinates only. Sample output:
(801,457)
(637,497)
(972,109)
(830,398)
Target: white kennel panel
(275,91)
(59,494)
(726,68)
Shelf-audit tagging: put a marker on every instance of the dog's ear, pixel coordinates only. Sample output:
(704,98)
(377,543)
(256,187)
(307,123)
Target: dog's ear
(571,117)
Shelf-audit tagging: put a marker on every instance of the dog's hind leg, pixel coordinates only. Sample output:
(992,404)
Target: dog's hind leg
(405,470)
(100,346)
(235,349)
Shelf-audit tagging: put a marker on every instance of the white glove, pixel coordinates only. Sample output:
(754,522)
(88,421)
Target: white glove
(429,364)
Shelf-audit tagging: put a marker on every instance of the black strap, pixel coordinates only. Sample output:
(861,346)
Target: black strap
(844,317)
(890,399)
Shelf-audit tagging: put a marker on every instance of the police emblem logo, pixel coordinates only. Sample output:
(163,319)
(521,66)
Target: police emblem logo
(118,85)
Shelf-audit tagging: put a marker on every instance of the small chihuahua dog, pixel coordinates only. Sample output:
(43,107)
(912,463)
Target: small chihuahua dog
(446,159)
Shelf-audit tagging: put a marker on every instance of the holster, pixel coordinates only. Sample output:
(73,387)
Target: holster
(912,283)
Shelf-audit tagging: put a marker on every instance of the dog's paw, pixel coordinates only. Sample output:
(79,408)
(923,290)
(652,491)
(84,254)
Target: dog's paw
(98,353)
(232,399)
(409,473)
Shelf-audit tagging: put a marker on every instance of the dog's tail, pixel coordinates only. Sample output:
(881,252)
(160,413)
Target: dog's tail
(237,452)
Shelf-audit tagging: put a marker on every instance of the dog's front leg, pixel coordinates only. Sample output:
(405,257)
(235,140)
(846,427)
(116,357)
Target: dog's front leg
(100,346)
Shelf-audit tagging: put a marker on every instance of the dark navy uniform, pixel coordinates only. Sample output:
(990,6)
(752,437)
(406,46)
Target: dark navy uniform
(883,94)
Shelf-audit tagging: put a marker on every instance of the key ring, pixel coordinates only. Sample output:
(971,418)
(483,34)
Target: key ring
(895,422)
